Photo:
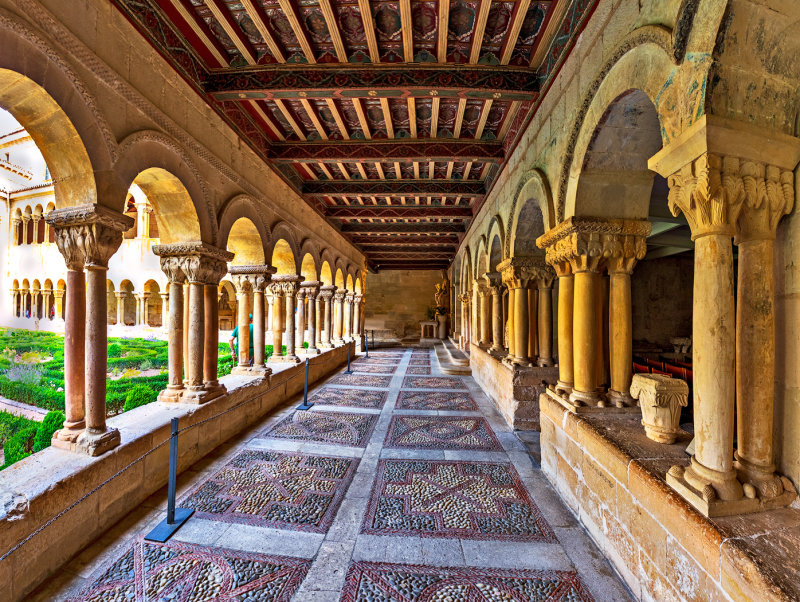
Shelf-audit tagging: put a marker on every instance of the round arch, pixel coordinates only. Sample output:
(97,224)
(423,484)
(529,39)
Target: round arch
(532,214)
(325,273)
(339,279)
(495,242)
(308,267)
(245,242)
(237,207)
(481,264)
(284,258)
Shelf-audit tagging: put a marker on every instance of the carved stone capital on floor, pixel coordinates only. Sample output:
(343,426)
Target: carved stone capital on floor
(256,277)
(88,235)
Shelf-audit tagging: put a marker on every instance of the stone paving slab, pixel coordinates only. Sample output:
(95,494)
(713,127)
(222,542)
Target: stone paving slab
(358,398)
(441,432)
(434,382)
(436,400)
(343,428)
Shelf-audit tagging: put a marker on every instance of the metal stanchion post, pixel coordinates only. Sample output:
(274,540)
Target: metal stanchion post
(366,344)
(305,405)
(175,516)
(348,371)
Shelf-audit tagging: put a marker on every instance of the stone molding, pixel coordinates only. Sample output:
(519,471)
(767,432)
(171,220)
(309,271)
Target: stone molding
(584,242)
(88,235)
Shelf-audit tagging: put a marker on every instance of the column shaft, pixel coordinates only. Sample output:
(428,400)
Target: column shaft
(290,330)
(312,324)
(565,312)
(497,319)
(175,345)
(196,351)
(277,325)
(243,300)
(585,337)
(74,358)
(301,322)
(211,324)
(545,326)
(521,326)
(258,328)
(620,338)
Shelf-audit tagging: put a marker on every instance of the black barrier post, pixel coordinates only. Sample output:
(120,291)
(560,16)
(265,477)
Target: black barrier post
(305,405)
(366,344)
(348,371)
(175,516)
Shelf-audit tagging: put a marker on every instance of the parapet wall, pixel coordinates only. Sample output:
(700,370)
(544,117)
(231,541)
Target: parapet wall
(36,489)
(613,479)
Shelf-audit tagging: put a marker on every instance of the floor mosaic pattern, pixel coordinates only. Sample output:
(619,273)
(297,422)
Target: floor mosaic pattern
(352,398)
(339,428)
(418,370)
(410,583)
(441,432)
(435,400)
(466,500)
(374,368)
(272,489)
(434,382)
(361,380)
(419,362)
(149,571)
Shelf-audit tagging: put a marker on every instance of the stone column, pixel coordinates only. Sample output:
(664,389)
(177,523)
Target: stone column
(34,303)
(193,268)
(216,269)
(769,195)
(301,318)
(709,192)
(25,221)
(338,299)
(620,329)
(171,266)
(286,286)
(517,273)
(120,307)
(243,288)
(16,224)
(59,297)
(347,318)
(255,278)
(465,321)
(164,310)
(92,234)
(545,325)
(326,293)
(485,294)
(565,310)
(143,220)
(358,326)
(35,223)
(311,290)
(278,311)
(495,287)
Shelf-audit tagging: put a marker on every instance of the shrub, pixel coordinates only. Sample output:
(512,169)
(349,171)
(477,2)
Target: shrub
(146,365)
(19,446)
(139,395)
(114,350)
(11,424)
(44,434)
(27,374)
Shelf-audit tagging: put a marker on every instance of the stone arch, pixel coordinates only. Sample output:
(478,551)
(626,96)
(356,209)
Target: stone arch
(495,242)
(338,279)
(227,305)
(153,307)
(40,89)
(481,266)
(170,181)
(358,288)
(237,207)
(126,289)
(244,240)
(308,267)
(325,273)
(309,249)
(111,302)
(348,284)
(532,214)
(283,237)
(641,62)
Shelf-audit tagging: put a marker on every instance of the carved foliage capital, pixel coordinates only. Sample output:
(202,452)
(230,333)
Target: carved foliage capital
(88,235)
(494,282)
(339,296)
(326,292)
(310,288)
(659,390)
(769,195)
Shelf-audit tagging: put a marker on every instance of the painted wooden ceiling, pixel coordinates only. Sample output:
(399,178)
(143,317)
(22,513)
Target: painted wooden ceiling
(392,118)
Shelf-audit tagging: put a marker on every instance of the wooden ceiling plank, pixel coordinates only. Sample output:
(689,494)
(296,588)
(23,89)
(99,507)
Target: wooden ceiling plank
(516,25)
(435,117)
(407,30)
(387,117)
(326,171)
(397,171)
(344,171)
(431,168)
(256,15)
(450,169)
(333,28)
(416,170)
(312,115)
(362,118)
(290,118)
(274,127)
(294,21)
(193,22)
(379,168)
(467,169)
(412,116)
(224,18)
(487,106)
(362,171)
(480,27)
(444,16)
(511,114)
(369,30)
(338,118)
(558,8)
(462,105)
(312,174)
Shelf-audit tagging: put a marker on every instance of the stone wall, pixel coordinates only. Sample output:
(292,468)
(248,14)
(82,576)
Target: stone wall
(35,489)
(612,478)
(661,298)
(398,299)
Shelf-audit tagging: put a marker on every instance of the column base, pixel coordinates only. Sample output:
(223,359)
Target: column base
(588,398)
(693,485)
(260,371)
(325,346)
(496,349)
(97,443)
(621,400)
(66,436)
(310,351)
(514,361)
(562,387)
(196,395)
(337,342)
(284,359)
(768,484)
(172,394)
(545,361)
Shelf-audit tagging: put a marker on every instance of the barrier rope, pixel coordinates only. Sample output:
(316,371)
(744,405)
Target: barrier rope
(160,445)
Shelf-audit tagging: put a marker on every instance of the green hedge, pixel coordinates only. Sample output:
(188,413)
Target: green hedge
(139,395)
(44,434)
(19,446)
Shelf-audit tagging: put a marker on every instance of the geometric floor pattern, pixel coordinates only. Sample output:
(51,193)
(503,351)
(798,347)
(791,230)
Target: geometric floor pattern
(434,382)
(340,428)
(361,380)
(419,361)
(441,432)
(418,370)
(407,583)
(374,368)
(435,400)
(149,571)
(465,500)
(273,489)
(353,398)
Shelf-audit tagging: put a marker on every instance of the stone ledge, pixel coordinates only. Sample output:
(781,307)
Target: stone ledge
(37,488)
(614,479)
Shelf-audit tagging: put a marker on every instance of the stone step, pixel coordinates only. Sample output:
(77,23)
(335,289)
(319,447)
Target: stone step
(457,357)
(445,363)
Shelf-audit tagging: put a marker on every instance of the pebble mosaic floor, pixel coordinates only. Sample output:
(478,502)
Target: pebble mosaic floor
(396,487)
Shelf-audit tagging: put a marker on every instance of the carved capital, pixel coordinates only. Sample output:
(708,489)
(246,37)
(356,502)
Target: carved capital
(339,296)
(709,192)
(518,272)
(358,298)
(285,285)
(494,282)
(195,261)
(465,298)
(769,195)
(88,235)
(256,277)
(326,292)
(310,288)
(585,242)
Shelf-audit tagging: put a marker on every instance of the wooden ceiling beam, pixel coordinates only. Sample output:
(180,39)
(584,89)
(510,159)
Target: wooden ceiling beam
(337,116)
(435,188)
(435,117)
(191,19)
(387,151)
(369,30)
(441,44)
(333,29)
(521,9)
(294,20)
(258,18)
(362,118)
(407,30)
(396,212)
(387,117)
(412,116)
(290,118)
(312,115)
(274,127)
(487,106)
(462,105)
(405,228)
(480,27)
(511,114)
(225,19)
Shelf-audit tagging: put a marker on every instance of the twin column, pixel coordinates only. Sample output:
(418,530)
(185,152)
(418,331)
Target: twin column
(251,281)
